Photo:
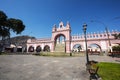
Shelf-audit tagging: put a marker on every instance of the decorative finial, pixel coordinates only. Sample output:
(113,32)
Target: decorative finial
(61,24)
(68,24)
(54,25)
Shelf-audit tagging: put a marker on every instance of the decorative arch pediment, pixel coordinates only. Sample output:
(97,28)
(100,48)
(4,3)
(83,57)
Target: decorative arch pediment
(62,31)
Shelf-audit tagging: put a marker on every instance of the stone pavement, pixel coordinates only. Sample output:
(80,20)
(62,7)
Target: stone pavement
(30,67)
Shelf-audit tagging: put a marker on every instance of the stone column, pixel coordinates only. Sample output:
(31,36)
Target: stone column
(52,46)
(68,46)
(27,48)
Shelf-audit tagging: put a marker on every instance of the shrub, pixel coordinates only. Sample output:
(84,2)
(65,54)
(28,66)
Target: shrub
(116,48)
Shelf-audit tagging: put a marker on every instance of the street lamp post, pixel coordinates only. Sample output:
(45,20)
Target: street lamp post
(108,39)
(84,30)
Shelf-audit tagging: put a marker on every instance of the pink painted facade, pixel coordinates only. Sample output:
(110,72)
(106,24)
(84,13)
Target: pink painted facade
(99,38)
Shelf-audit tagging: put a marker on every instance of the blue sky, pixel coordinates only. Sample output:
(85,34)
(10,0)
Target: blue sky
(39,16)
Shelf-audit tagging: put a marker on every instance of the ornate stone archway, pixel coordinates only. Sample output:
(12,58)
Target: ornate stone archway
(99,38)
(61,30)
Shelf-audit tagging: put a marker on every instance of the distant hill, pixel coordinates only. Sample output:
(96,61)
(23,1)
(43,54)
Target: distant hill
(20,39)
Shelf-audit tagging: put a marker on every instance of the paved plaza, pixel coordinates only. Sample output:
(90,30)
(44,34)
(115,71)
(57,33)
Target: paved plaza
(30,67)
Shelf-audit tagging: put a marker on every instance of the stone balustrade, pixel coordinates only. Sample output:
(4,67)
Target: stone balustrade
(98,35)
(41,40)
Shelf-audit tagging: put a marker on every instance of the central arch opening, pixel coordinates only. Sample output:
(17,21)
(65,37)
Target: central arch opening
(60,43)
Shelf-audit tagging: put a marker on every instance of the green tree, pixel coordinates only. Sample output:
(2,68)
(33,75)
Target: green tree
(7,25)
(16,25)
(116,36)
(119,35)
(4,32)
(116,48)
(10,24)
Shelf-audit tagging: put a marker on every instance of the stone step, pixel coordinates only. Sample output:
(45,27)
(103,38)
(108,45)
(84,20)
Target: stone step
(60,48)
